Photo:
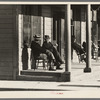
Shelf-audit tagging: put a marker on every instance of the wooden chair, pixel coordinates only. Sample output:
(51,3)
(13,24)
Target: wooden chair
(36,61)
(41,60)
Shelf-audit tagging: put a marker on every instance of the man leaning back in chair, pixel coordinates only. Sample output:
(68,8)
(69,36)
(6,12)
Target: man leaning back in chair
(49,46)
(37,50)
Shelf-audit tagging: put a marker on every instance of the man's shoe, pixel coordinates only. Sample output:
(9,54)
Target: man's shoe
(55,63)
(58,64)
(62,62)
(59,68)
(51,69)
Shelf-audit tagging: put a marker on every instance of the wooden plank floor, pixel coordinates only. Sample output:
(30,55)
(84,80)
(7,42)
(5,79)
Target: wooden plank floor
(40,69)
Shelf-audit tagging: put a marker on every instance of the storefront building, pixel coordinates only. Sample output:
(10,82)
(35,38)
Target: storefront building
(19,23)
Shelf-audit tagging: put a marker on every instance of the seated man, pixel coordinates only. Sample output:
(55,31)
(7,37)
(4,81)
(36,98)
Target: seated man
(77,47)
(49,46)
(37,50)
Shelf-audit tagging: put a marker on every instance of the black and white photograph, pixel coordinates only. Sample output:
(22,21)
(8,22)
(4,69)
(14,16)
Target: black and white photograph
(50,50)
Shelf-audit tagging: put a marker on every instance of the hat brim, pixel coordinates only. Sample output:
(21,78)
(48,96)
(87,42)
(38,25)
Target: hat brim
(36,36)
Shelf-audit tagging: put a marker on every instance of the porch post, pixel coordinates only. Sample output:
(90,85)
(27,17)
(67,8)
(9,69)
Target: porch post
(66,74)
(88,39)
(67,39)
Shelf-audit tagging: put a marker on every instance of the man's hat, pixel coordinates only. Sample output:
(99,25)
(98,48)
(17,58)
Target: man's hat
(46,37)
(36,37)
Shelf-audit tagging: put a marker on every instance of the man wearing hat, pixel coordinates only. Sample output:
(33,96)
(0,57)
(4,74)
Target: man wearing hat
(49,46)
(37,50)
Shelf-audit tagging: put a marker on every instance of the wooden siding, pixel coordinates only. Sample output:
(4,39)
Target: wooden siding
(48,21)
(16,11)
(6,71)
(6,17)
(2,7)
(46,11)
(5,21)
(6,41)
(5,77)
(3,63)
(35,25)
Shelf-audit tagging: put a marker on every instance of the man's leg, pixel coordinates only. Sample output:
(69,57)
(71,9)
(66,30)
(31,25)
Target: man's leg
(50,60)
(57,56)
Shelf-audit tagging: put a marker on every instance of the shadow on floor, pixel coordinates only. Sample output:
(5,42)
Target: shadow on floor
(77,68)
(95,64)
(94,86)
(23,89)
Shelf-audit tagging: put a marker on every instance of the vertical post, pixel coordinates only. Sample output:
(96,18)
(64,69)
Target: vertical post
(16,12)
(43,27)
(42,37)
(88,39)
(67,38)
(66,75)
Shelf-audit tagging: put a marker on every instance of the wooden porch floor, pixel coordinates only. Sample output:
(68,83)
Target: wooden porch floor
(41,74)
(40,69)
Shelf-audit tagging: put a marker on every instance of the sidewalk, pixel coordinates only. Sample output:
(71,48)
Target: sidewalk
(82,85)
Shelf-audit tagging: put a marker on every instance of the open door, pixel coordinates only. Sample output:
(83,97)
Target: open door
(58,34)
(29,25)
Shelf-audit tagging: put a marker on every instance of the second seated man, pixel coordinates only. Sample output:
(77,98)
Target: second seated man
(49,46)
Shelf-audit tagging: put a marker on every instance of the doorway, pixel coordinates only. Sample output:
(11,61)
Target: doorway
(29,23)
(58,33)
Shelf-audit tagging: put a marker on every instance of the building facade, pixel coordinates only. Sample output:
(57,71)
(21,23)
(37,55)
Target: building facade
(19,23)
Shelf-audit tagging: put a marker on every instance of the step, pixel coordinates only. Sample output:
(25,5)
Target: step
(39,73)
(36,78)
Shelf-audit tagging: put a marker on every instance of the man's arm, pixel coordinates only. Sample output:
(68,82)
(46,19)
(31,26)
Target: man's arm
(41,49)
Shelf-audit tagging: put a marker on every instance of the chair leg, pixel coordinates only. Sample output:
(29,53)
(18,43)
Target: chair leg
(44,64)
(52,64)
(35,65)
(47,65)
